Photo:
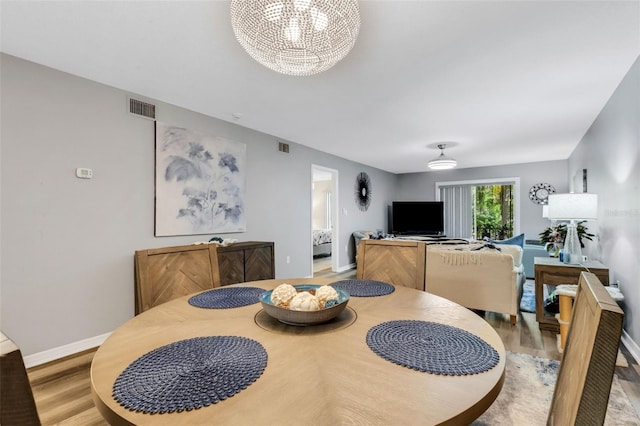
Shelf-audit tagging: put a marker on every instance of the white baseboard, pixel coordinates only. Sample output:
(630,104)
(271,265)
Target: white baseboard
(347,267)
(631,346)
(65,350)
(341,269)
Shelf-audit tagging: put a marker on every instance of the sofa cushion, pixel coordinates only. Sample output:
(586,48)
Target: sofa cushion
(515,252)
(518,240)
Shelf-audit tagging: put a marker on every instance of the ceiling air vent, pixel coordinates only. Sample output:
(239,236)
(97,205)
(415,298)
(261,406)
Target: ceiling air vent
(143,109)
(283,147)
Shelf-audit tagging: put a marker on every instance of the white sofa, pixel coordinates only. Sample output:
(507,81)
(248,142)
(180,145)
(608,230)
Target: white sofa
(486,279)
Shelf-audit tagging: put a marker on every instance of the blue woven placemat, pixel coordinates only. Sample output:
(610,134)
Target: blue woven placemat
(227,297)
(190,374)
(432,347)
(364,288)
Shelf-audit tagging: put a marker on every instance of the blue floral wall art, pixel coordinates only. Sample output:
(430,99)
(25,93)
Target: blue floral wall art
(200,182)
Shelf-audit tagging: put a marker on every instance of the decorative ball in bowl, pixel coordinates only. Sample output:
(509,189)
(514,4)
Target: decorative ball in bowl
(318,304)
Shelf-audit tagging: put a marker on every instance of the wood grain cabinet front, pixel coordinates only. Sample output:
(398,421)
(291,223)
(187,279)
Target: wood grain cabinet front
(242,262)
(166,273)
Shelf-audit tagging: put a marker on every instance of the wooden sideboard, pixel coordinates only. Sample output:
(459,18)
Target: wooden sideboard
(166,273)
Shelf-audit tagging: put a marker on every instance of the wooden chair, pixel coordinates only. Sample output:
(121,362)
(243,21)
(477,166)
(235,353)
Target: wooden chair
(17,406)
(164,274)
(396,262)
(586,371)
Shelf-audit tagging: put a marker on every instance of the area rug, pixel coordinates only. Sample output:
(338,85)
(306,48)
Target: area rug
(528,389)
(528,301)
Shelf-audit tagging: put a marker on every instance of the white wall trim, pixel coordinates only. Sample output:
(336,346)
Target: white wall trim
(631,346)
(335,217)
(65,350)
(346,267)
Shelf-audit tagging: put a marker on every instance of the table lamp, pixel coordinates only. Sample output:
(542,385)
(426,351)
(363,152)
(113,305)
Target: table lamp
(573,207)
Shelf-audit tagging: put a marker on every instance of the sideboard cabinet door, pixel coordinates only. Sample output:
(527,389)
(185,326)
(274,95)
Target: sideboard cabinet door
(258,263)
(231,265)
(247,261)
(167,273)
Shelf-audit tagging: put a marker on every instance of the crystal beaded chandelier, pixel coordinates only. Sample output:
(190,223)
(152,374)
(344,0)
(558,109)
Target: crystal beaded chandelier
(296,37)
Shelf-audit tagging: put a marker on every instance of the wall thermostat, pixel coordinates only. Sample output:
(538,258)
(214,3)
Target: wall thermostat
(83,173)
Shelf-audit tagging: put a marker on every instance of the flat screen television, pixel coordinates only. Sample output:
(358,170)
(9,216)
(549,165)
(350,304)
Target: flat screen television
(418,218)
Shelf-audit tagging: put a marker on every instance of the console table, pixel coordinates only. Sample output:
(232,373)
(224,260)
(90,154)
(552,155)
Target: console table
(163,274)
(549,270)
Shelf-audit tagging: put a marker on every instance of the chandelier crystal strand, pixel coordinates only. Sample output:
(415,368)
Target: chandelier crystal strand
(296,37)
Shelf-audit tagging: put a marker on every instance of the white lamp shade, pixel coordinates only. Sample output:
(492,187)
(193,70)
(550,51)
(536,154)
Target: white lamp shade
(582,206)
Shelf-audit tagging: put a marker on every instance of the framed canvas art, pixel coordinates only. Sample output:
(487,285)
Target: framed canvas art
(200,183)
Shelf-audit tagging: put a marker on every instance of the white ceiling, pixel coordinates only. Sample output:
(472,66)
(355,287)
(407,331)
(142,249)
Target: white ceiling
(505,81)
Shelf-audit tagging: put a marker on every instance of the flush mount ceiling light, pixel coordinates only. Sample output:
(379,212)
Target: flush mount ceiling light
(296,37)
(442,162)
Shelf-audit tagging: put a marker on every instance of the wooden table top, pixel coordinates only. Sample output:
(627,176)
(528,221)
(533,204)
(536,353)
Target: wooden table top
(315,375)
(554,261)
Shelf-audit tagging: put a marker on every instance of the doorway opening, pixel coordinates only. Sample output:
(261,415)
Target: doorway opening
(324,220)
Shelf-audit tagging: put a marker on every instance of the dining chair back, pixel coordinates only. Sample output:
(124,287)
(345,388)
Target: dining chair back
(586,371)
(164,274)
(17,406)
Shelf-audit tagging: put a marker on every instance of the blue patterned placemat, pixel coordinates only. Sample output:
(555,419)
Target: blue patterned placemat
(364,288)
(190,374)
(227,297)
(432,347)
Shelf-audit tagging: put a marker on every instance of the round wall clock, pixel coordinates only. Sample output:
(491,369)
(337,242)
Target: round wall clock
(363,191)
(539,193)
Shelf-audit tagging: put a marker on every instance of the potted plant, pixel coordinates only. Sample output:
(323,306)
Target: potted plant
(556,234)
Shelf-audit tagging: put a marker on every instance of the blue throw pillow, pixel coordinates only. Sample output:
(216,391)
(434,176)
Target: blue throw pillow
(518,240)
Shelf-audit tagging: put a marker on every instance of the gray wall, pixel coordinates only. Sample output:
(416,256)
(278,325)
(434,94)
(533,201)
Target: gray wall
(67,243)
(610,151)
(421,186)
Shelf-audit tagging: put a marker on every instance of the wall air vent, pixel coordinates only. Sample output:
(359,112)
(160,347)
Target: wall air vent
(142,109)
(283,147)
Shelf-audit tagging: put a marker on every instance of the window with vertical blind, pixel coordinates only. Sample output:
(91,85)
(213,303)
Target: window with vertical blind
(458,203)
(480,208)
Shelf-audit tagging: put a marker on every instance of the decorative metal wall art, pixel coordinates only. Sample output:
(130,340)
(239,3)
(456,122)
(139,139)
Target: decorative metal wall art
(363,191)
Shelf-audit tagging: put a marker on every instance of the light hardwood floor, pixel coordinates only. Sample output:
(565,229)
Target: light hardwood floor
(321,265)
(63,394)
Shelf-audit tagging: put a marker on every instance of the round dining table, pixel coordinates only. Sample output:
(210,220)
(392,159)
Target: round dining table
(323,374)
